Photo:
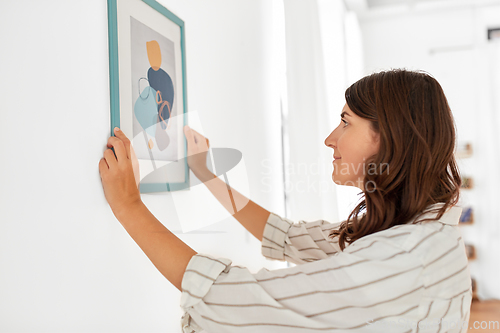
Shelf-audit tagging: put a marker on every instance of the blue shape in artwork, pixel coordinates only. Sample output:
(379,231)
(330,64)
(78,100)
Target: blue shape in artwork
(146,110)
(161,81)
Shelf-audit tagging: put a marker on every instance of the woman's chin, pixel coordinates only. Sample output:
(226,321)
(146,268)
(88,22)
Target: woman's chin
(339,180)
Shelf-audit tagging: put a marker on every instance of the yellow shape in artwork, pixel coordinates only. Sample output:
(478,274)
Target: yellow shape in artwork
(150,144)
(154,54)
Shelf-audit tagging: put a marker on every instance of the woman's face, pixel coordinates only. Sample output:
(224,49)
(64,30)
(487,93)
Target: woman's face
(353,142)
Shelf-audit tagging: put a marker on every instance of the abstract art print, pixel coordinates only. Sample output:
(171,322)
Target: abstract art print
(148,89)
(153,77)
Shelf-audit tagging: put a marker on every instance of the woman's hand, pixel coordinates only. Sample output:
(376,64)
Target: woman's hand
(120,174)
(197,152)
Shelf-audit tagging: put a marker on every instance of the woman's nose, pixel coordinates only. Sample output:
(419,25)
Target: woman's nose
(331,140)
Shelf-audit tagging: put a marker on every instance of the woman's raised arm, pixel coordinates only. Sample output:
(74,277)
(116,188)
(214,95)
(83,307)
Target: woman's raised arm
(168,253)
(251,216)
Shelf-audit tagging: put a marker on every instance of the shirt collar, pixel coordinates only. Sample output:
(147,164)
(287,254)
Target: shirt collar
(451,216)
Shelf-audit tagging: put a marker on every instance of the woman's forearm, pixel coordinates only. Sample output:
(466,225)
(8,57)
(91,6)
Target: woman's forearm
(169,254)
(251,216)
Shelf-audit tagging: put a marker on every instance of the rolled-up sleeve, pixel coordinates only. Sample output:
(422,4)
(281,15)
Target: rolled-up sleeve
(201,272)
(299,242)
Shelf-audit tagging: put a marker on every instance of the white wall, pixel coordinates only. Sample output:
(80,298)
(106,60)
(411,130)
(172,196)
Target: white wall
(66,264)
(451,44)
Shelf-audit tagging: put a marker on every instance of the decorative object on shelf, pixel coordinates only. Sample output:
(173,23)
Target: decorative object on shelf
(494,34)
(463,150)
(470,250)
(467,183)
(467,216)
(474,290)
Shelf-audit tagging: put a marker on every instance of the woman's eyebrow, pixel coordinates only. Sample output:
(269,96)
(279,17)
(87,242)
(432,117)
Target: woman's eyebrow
(344,113)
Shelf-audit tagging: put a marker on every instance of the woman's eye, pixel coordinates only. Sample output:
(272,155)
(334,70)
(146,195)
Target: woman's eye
(345,122)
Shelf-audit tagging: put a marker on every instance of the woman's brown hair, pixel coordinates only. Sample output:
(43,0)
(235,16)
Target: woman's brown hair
(415,166)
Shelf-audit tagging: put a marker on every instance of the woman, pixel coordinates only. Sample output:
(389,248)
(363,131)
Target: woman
(397,264)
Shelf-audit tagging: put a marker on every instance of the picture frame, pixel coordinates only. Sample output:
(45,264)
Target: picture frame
(148,89)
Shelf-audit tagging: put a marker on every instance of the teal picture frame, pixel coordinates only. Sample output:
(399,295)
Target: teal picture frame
(114,86)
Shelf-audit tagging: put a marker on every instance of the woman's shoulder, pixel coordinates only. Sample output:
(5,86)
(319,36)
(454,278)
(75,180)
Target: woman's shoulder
(417,238)
(382,241)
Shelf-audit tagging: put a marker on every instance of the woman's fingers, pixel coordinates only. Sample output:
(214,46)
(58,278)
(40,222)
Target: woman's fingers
(199,139)
(117,176)
(197,136)
(110,158)
(126,142)
(135,165)
(103,166)
(196,141)
(119,147)
(188,132)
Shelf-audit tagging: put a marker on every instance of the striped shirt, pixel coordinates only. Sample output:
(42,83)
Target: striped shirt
(408,278)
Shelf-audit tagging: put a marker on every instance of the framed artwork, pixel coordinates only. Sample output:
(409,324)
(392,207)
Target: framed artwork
(147,66)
